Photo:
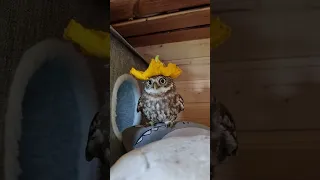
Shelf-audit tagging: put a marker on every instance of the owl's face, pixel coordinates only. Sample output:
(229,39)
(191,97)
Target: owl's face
(158,85)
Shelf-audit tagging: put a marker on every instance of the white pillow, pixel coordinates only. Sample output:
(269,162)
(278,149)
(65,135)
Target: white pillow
(174,158)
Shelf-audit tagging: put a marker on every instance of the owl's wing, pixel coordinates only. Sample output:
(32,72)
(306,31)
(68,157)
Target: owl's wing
(93,132)
(224,131)
(96,140)
(180,102)
(140,104)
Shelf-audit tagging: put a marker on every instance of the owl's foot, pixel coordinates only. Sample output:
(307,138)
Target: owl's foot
(150,123)
(170,124)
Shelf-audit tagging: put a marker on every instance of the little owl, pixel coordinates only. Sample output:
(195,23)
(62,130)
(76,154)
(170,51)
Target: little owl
(159,101)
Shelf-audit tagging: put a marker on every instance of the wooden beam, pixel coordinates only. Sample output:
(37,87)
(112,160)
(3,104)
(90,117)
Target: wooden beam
(121,10)
(170,37)
(125,9)
(166,22)
(177,50)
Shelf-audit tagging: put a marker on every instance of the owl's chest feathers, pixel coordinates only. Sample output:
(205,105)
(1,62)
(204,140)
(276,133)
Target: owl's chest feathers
(160,108)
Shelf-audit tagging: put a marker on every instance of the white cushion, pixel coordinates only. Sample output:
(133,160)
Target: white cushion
(174,158)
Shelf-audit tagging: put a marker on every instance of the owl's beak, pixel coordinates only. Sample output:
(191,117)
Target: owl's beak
(155,86)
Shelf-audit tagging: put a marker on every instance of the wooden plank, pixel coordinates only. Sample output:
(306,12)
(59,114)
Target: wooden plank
(300,70)
(121,10)
(279,139)
(275,154)
(166,22)
(194,91)
(275,164)
(177,51)
(189,61)
(232,5)
(194,72)
(147,7)
(170,37)
(196,112)
(270,33)
(221,6)
(125,9)
(270,95)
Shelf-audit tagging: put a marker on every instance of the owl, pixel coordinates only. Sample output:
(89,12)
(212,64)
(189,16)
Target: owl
(98,145)
(159,101)
(223,134)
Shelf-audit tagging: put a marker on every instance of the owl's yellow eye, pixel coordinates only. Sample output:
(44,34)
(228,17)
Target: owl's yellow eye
(162,81)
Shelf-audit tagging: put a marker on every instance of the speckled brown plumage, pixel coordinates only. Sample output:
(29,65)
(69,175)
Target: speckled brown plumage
(160,102)
(224,141)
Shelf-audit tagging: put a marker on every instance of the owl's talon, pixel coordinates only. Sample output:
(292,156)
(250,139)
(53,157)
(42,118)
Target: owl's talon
(150,123)
(170,124)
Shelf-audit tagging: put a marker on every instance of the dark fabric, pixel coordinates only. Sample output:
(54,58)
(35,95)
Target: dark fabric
(23,23)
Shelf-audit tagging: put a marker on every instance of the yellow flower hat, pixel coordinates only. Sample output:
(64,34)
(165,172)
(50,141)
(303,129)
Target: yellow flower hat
(156,68)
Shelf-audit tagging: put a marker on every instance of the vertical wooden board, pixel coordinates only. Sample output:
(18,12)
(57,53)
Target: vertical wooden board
(276,97)
(178,50)
(166,22)
(270,34)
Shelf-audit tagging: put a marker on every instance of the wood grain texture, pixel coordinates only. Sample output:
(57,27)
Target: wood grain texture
(125,9)
(169,37)
(232,5)
(194,72)
(156,6)
(121,10)
(190,61)
(194,91)
(275,164)
(274,94)
(196,112)
(271,32)
(166,22)
(274,155)
(295,139)
(177,51)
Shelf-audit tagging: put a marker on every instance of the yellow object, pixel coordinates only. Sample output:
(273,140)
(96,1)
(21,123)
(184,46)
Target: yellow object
(156,67)
(96,43)
(219,32)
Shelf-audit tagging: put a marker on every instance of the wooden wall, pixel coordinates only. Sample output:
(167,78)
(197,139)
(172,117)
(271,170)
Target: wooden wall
(152,22)
(193,57)
(268,74)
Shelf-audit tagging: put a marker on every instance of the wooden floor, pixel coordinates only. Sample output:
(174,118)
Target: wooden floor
(268,74)
(193,57)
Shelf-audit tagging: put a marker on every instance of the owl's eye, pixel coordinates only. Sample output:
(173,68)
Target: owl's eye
(149,82)
(162,81)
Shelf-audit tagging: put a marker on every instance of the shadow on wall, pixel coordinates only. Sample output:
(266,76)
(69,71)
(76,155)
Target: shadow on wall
(274,101)
(51,104)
